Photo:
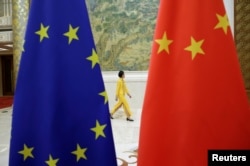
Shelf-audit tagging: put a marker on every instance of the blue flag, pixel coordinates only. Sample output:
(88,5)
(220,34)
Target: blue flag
(60,113)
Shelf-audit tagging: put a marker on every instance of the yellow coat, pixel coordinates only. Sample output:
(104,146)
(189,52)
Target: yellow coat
(121,88)
(121,91)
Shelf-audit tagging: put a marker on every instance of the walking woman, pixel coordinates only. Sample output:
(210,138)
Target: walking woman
(121,91)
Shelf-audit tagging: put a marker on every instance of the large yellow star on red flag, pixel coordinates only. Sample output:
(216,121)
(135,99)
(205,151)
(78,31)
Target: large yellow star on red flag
(98,129)
(195,47)
(43,32)
(71,34)
(51,161)
(93,58)
(80,153)
(26,152)
(164,43)
(223,23)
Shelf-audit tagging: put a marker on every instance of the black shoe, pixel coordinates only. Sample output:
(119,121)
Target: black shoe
(111,117)
(128,119)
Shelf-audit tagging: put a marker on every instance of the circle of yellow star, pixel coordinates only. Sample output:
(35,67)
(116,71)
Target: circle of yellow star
(104,94)
(80,153)
(23,42)
(43,32)
(71,34)
(223,23)
(164,43)
(26,152)
(98,129)
(51,161)
(93,58)
(195,47)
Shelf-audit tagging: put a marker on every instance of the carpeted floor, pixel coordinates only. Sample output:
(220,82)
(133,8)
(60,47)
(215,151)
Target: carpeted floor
(6,101)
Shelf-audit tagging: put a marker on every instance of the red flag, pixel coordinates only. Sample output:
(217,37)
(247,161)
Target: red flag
(195,98)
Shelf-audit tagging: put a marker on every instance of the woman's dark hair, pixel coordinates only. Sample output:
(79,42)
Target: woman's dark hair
(120,74)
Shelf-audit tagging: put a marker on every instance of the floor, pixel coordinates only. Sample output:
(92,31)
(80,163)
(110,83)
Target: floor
(125,134)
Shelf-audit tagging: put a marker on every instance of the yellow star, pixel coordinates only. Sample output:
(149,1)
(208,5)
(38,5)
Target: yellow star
(164,43)
(98,129)
(94,58)
(104,94)
(42,32)
(223,23)
(23,42)
(80,152)
(51,161)
(26,152)
(71,34)
(195,47)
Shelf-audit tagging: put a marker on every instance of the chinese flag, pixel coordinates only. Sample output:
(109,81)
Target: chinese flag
(195,98)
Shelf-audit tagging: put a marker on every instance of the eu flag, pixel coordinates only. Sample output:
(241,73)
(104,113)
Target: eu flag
(60,112)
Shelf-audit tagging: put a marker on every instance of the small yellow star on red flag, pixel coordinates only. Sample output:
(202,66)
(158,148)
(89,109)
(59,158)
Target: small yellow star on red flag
(93,58)
(43,32)
(80,152)
(223,23)
(164,43)
(98,129)
(71,34)
(51,161)
(26,152)
(195,47)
